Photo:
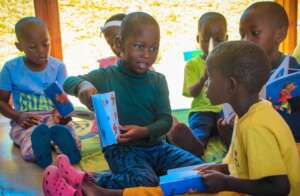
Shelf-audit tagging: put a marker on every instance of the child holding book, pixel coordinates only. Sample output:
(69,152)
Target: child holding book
(142,104)
(262,158)
(25,78)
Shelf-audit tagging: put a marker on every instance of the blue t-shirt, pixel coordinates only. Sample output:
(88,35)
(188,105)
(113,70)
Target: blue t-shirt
(27,87)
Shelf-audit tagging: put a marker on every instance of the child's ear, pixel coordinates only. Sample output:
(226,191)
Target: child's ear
(19,46)
(280,34)
(118,45)
(232,86)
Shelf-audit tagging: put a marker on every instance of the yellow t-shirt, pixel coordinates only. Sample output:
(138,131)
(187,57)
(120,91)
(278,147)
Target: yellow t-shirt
(193,71)
(263,145)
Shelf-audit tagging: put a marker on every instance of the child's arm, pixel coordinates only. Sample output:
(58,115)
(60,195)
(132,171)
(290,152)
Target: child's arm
(272,185)
(193,80)
(198,86)
(24,119)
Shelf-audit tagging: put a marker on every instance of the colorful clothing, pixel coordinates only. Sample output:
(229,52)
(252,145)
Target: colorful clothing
(22,137)
(136,94)
(193,71)
(203,117)
(142,99)
(108,61)
(27,89)
(263,145)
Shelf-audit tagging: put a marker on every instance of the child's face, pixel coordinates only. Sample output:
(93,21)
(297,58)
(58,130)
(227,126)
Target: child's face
(110,35)
(139,50)
(217,85)
(256,28)
(216,31)
(36,45)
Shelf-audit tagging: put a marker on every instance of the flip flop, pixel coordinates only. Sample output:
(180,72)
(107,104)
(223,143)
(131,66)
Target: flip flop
(41,145)
(62,137)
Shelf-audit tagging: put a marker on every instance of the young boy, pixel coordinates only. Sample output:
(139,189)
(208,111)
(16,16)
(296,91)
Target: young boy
(266,24)
(262,159)
(203,117)
(143,108)
(111,30)
(25,78)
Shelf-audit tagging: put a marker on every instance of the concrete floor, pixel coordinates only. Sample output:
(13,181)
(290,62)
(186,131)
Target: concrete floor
(17,177)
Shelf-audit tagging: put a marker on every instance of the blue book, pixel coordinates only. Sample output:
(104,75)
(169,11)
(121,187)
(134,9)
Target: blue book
(282,90)
(106,118)
(64,109)
(187,55)
(181,182)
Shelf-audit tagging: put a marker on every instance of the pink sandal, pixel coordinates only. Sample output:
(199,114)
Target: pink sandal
(72,176)
(54,184)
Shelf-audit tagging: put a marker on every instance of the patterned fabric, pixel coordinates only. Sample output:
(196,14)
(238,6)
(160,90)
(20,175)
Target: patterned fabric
(22,137)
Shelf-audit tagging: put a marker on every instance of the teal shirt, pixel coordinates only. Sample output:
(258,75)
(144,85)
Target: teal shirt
(141,99)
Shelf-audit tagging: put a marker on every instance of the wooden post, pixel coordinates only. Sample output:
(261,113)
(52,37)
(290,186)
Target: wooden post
(290,42)
(48,11)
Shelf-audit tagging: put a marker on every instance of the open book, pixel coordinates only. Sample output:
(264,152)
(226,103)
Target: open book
(106,117)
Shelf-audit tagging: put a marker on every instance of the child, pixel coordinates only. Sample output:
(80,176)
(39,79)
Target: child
(143,108)
(266,24)
(25,78)
(203,116)
(111,31)
(262,159)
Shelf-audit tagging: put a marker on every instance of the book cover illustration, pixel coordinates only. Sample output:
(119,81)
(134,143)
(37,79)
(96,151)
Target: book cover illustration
(106,117)
(64,109)
(281,91)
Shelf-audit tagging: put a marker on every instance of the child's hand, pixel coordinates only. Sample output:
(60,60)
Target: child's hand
(27,120)
(215,181)
(58,119)
(85,96)
(62,98)
(131,133)
(211,166)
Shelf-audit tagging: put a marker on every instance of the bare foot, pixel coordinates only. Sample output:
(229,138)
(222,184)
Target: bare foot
(181,135)
(89,188)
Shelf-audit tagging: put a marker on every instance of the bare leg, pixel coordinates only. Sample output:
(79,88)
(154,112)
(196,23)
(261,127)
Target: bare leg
(182,136)
(91,189)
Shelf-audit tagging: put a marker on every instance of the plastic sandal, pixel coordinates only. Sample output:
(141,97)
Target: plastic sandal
(55,185)
(72,175)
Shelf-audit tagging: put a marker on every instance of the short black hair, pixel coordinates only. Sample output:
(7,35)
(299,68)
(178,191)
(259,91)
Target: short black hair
(242,60)
(23,22)
(118,17)
(134,19)
(209,17)
(273,11)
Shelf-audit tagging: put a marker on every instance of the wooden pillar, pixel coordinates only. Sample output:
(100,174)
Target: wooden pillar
(48,11)
(290,42)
